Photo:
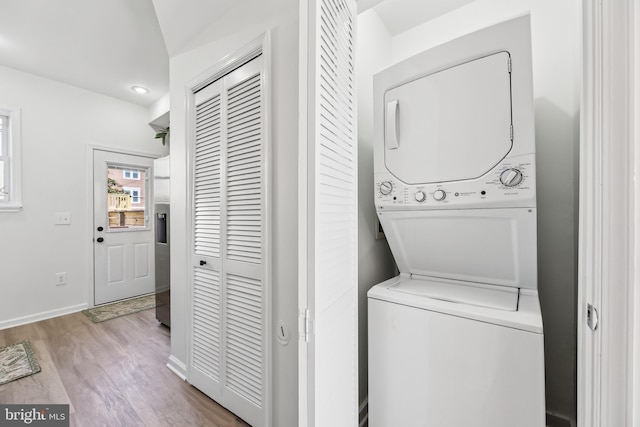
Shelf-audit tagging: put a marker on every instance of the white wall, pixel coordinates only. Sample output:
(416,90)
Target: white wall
(59,122)
(556,73)
(375,260)
(247,20)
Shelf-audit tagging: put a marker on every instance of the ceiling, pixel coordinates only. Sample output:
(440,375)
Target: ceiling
(109,46)
(401,15)
(183,20)
(103,46)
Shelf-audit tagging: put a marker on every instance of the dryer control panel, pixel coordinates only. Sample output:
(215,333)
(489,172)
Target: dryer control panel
(510,184)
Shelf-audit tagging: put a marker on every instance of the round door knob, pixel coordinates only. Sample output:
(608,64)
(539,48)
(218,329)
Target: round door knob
(420,196)
(99,240)
(439,195)
(100,228)
(511,177)
(202,262)
(385,188)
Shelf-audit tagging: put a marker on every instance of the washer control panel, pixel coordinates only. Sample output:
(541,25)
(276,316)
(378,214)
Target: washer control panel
(511,183)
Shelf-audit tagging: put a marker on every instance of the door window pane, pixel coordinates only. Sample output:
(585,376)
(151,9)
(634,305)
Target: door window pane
(127,204)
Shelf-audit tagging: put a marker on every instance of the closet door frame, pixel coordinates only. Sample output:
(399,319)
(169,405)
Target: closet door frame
(260,46)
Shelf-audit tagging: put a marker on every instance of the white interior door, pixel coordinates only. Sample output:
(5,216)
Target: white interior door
(328,224)
(123,239)
(230,324)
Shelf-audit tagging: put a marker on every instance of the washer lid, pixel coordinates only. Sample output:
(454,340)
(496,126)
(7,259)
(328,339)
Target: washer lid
(496,297)
(527,317)
(451,125)
(491,246)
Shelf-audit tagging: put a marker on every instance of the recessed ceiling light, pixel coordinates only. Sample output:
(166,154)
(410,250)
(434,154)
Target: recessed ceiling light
(139,89)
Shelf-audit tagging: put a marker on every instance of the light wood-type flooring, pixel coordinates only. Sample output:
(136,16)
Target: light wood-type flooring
(112,374)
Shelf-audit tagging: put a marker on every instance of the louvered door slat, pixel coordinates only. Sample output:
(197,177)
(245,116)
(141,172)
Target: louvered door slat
(244,330)
(246,161)
(244,111)
(244,170)
(207,178)
(243,125)
(246,325)
(245,199)
(245,352)
(248,85)
(245,140)
(244,89)
(247,171)
(206,322)
(242,358)
(208,155)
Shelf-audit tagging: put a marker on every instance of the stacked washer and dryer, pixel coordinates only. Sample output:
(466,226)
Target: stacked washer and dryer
(456,339)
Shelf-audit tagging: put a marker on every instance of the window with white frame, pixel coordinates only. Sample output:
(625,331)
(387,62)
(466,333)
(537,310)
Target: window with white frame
(134,193)
(10,194)
(130,174)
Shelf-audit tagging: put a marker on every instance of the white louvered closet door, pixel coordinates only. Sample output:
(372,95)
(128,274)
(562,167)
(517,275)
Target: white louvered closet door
(229,316)
(329,374)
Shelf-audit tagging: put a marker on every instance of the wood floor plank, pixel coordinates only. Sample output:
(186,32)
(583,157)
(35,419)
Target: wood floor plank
(112,374)
(19,333)
(46,386)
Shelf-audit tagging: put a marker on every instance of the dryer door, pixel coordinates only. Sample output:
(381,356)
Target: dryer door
(451,125)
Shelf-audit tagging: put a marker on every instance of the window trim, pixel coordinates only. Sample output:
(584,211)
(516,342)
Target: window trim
(14,142)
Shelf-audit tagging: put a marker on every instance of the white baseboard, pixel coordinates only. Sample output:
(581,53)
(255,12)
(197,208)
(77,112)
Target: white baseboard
(18,321)
(177,367)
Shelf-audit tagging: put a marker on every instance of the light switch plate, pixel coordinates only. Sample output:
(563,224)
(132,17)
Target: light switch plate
(63,218)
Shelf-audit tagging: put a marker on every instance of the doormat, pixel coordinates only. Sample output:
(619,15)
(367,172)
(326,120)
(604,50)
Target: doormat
(119,309)
(17,361)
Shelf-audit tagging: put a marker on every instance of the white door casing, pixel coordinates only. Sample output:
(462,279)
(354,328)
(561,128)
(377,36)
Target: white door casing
(608,351)
(328,209)
(123,256)
(229,351)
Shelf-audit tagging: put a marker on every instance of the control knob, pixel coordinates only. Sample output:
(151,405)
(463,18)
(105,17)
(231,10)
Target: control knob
(511,177)
(420,196)
(385,188)
(439,195)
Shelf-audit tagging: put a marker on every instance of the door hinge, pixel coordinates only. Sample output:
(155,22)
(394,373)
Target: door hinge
(592,317)
(511,132)
(509,64)
(305,327)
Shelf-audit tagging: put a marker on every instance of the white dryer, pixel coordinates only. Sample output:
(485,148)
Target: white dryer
(456,339)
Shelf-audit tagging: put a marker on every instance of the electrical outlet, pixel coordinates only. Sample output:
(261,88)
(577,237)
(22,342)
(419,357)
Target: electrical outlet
(61,279)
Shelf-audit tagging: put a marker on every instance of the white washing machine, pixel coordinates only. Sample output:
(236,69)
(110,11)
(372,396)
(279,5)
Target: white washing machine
(456,340)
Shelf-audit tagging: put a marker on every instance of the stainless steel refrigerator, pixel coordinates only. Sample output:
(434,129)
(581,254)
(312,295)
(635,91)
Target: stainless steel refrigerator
(162,241)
